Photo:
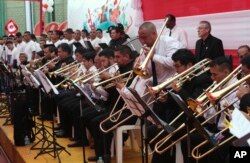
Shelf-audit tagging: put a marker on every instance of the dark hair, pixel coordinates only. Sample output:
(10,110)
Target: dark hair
(69,30)
(59,33)
(33,37)
(90,55)
(107,53)
(18,34)
(185,56)
(171,17)
(81,51)
(65,47)
(52,49)
(40,53)
(27,32)
(246,61)
(222,62)
(124,49)
(99,29)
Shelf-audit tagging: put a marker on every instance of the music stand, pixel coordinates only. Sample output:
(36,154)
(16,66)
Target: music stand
(89,45)
(103,45)
(91,103)
(139,108)
(56,148)
(191,120)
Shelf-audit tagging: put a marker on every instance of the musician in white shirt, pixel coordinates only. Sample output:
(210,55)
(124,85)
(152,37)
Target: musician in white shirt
(162,53)
(175,32)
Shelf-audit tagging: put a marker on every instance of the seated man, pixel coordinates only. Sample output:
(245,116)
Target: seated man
(183,59)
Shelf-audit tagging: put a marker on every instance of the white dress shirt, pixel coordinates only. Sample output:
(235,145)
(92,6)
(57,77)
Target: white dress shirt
(30,47)
(164,64)
(179,34)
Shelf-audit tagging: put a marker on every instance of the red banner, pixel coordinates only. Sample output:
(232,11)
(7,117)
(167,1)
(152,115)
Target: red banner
(157,9)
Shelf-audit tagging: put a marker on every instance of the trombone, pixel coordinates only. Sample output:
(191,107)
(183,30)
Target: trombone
(183,76)
(36,61)
(64,68)
(115,116)
(109,83)
(53,60)
(215,96)
(67,78)
(93,74)
(141,70)
(97,74)
(201,101)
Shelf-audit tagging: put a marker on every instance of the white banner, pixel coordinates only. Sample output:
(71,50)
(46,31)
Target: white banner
(233,28)
(85,14)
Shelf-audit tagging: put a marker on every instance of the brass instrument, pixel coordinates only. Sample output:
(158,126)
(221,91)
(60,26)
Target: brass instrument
(214,96)
(141,70)
(185,75)
(115,116)
(160,143)
(64,69)
(202,65)
(201,101)
(35,64)
(94,75)
(108,81)
(53,60)
(67,78)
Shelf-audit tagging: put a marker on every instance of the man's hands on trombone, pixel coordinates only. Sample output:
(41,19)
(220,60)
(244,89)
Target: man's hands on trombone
(146,50)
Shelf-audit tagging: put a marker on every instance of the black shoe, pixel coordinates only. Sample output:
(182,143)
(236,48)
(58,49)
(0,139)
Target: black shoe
(93,159)
(78,143)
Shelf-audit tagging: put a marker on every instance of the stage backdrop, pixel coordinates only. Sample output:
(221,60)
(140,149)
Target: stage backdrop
(89,14)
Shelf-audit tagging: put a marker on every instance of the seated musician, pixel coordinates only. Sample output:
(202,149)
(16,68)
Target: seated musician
(220,68)
(68,98)
(123,57)
(50,52)
(183,59)
(64,58)
(243,92)
(100,97)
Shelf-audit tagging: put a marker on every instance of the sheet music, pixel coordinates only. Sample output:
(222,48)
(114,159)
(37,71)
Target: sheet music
(43,81)
(131,102)
(32,81)
(240,124)
(46,83)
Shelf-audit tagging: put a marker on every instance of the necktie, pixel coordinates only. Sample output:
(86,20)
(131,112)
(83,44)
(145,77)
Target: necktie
(170,32)
(155,82)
